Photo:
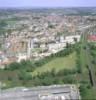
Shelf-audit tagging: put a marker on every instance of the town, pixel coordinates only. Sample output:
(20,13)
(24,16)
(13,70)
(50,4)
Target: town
(48,53)
(36,36)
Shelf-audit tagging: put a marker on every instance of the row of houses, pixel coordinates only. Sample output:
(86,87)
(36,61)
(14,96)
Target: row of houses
(33,48)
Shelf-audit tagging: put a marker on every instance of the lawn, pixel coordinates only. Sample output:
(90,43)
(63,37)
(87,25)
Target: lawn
(59,63)
(90,94)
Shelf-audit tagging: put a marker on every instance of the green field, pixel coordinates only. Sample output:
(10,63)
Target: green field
(59,63)
(90,94)
(86,60)
(11,23)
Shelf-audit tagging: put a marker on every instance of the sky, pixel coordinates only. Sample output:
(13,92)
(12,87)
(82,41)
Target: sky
(47,3)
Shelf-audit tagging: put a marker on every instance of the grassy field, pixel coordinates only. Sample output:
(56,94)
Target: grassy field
(11,78)
(68,62)
(90,94)
(4,75)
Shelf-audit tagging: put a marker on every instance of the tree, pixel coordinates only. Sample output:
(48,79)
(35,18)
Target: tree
(14,66)
(24,75)
(3,24)
(83,90)
(75,40)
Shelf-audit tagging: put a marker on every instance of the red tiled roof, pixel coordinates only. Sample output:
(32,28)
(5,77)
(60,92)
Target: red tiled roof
(92,37)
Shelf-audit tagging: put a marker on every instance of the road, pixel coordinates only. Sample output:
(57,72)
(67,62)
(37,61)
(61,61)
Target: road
(68,91)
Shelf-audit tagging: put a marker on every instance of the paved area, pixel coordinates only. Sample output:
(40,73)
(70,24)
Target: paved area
(55,92)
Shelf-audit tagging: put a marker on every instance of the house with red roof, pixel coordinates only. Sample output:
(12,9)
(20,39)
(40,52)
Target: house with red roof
(92,38)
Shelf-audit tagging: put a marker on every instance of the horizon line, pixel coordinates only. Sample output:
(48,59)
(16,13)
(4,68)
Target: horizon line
(49,7)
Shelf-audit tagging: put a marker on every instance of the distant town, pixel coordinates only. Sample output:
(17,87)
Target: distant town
(37,35)
(48,54)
